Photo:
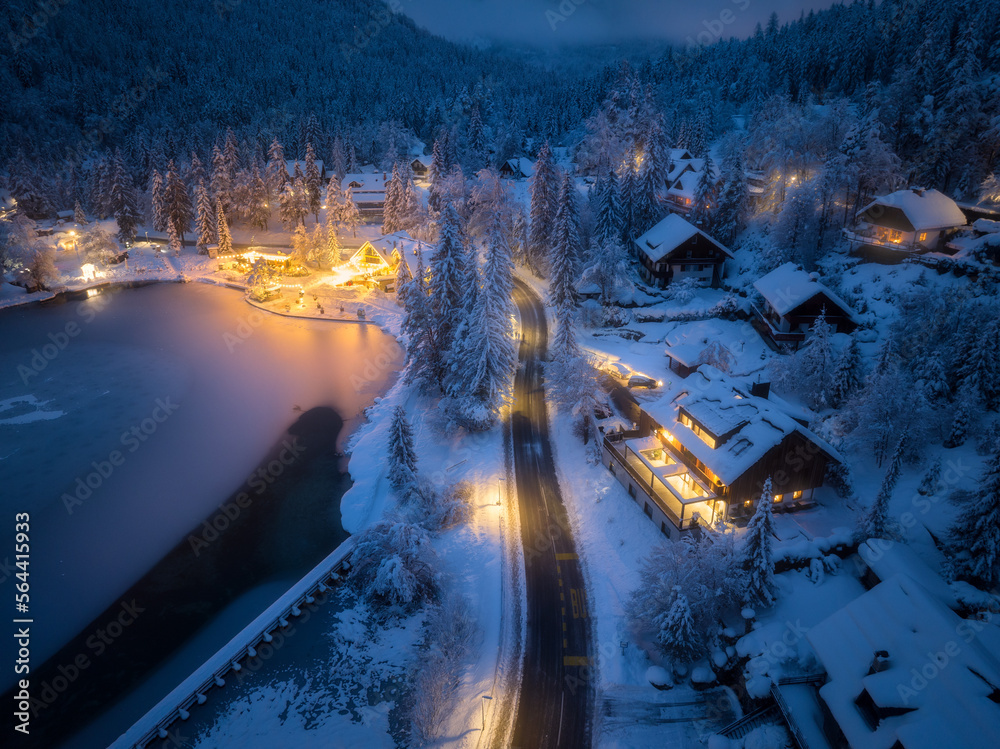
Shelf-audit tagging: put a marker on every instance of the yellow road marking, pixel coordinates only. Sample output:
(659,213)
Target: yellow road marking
(564,626)
(562,597)
(563,610)
(566,556)
(575,660)
(565,643)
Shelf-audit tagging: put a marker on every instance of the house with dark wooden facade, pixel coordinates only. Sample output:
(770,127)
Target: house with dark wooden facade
(904,223)
(675,249)
(701,453)
(791,300)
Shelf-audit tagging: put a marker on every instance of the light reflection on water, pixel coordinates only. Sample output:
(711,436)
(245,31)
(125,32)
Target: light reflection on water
(232,379)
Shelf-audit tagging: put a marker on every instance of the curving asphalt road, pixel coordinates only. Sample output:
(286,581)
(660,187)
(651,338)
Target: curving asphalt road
(556,702)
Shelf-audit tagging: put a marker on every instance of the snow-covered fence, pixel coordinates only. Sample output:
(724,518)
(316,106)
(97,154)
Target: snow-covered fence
(156,723)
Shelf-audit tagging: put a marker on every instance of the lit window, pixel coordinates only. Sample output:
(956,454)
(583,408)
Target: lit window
(778,497)
(923,236)
(797,495)
(705,437)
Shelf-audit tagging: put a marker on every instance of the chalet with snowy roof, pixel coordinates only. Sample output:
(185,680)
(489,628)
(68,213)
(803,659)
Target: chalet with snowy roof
(368,191)
(792,300)
(377,261)
(421,165)
(702,451)
(904,223)
(518,167)
(675,249)
(904,671)
(680,154)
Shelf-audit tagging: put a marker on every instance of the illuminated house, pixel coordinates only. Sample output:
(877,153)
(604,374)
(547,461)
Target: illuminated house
(421,165)
(701,453)
(906,222)
(792,300)
(675,249)
(376,262)
(368,191)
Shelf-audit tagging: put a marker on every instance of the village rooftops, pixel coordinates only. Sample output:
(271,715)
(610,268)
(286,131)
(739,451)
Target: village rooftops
(788,287)
(741,427)
(365,183)
(670,233)
(906,671)
(914,209)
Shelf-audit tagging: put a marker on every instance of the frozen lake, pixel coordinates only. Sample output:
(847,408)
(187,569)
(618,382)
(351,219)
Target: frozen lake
(126,418)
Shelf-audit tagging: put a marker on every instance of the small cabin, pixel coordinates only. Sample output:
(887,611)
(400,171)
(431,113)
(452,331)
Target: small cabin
(367,191)
(792,300)
(517,168)
(421,165)
(675,249)
(904,223)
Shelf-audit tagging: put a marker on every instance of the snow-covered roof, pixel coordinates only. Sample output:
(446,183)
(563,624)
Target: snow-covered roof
(724,406)
(669,234)
(685,186)
(788,287)
(678,154)
(290,166)
(521,165)
(938,670)
(365,183)
(423,160)
(888,558)
(924,209)
(407,247)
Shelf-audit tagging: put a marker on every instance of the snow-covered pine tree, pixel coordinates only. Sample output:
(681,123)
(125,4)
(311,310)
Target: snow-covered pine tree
(180,212)
(980,371)
(484,367)
(544,204)
(350,216)
(276,172)
(628,198)
(564,248)
(158,202)
(222,229)
(647,210)
(848,376)
(705,198)
(393,205)
(312,182)
(231,156)
(757,553)
(206,219)
(876,522)
(195,174)
(931,479)
(222,181)
(437,171)
(300,245)
(79,216)
(331,255)
(449,278)
(173,238)
(975,536)
(123,202)
(677,636)
(609,214)
(815,362)
(963,414)
(402,455)
(338,161)
(731,214)
(258,209)
(423,364)
(289,206)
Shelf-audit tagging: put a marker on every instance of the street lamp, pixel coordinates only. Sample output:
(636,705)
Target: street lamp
(498,490)
(483,703)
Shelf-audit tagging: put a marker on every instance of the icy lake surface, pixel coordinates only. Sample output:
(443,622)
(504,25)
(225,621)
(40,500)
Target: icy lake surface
(127,417)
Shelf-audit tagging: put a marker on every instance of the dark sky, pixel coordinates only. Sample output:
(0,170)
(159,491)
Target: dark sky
(550,23)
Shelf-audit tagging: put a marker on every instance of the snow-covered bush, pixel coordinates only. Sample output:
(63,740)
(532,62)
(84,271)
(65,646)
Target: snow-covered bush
(452,507)
(707,574)
(451,634)
(392,563)
(260,279)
